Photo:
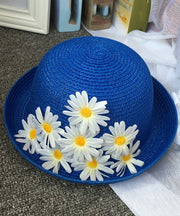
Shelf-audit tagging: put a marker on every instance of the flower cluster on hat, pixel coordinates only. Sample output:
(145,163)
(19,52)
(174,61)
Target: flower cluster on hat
(54,159)
(88,114)
(79,145)
(117,142)
(29,136)
(39,132)
(50,127)
(128,160)
(95,169)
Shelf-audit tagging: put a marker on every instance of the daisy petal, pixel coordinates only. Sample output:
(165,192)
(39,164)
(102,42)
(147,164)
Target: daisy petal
(45,158)
(26,146)
(48,165)
(73,98)
(131,168)
(106,169)
(68,113)
(56,168)
(137,162)
(83,126)
(47,112)
(69,108)
(25,125)
(52,141)
(66,166)
(99,105)
(122,127)
(84,174)
(135,146)
(137,153)
(39,114)
(120,166)
(102,122)
(85,98)
(74,120)
(112,130)
(92,102)
(93,176)
(99,176)
(73,105)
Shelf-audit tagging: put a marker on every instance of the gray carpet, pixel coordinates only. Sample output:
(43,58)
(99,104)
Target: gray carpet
(25,190)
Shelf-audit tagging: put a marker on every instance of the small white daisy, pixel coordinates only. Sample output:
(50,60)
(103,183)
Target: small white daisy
(29,135)
(86,113)
(50,127)
(93,169)
(78,145)
(128,160)
(54,159)
(117,142)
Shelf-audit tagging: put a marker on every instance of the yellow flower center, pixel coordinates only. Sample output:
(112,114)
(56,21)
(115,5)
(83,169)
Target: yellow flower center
(32,134)
(80,141)
(57,154)
(120,140)
(126,157)
(47,127)
(93,164)
(86,112)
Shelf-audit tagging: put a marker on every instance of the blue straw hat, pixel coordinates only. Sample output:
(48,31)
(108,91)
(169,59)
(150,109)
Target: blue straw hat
(139,108)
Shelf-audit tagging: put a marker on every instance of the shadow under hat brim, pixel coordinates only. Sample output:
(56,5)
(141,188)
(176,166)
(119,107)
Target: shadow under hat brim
(161,133)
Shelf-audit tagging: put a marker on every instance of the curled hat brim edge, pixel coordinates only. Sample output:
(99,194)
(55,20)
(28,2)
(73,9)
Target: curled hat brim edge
(161,135)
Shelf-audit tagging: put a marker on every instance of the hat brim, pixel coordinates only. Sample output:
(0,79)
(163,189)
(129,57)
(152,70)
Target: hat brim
(161,134)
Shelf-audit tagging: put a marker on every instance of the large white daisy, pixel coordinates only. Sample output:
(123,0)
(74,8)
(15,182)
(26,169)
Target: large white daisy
(79,145)
(54,159)
(29,135)
(94,169)
(86,113)
(50,127)
(117,142)
(128,160)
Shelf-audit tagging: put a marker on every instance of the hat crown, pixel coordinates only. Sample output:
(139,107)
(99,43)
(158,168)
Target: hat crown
(103,68)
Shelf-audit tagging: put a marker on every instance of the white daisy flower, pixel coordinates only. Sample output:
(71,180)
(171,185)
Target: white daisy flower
(78,145)
(117,142)
(54,159)
(50,131)
(86,113)
(29,135)
(93,169)
(128,160)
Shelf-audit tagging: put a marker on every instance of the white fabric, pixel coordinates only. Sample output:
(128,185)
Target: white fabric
(165,14)
(147,197)
(176,98)
(157,191)
(152,47)
(177,53)
(171,17)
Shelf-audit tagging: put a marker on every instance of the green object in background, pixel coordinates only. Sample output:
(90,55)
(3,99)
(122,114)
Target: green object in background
(139,15)
(132,14)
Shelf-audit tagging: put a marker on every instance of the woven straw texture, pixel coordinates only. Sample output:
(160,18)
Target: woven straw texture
(24,190)
(102,67)
(105,69)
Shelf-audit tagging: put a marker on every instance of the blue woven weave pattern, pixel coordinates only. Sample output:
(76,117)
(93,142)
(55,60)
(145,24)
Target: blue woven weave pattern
(104,68)
(108,70)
